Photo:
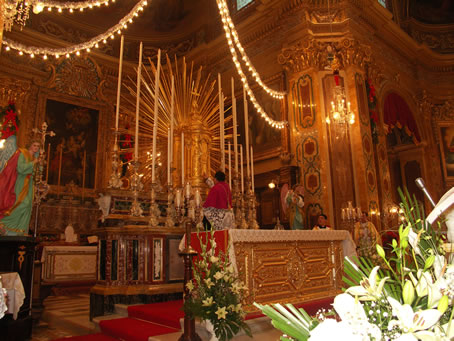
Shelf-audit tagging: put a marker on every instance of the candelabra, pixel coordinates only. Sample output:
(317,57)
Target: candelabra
(349,216)
(114,181)
(136,186)
(41,188)
(170,211)
(349,213)
(252,216)
(154,209)
(237,207)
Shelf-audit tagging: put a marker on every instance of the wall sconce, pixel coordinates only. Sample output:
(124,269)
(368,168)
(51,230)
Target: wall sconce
(273,183)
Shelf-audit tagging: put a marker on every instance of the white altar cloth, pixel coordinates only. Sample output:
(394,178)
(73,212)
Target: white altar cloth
(15,290)
(260,236)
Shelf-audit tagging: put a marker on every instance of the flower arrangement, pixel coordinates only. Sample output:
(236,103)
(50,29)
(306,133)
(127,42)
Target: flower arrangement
(216,292)
(9,121)
(410,297)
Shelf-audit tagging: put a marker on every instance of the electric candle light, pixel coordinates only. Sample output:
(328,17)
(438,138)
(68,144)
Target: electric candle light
(155,122)
(246,130)
(168,156)
(252,169)
(221,123)
(241,161)
(197,197)
(235,137)
(120,68)
(230,167)
(172,111)
(182,159)
(139,70)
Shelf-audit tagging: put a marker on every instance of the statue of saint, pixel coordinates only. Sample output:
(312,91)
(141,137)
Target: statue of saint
(16,190)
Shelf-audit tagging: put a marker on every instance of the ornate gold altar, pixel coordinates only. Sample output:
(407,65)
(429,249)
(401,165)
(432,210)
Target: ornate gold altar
(290,266)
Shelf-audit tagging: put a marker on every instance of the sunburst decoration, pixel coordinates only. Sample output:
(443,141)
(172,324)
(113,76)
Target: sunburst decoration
(192,90)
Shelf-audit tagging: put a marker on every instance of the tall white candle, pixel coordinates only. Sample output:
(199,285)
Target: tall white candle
(139,76)
(177,198)
(252,169)
(182,159)
(241,163)
(172,112)
(155,122)
(230,167)
(235,135)
(246,130)
(221,123)
(197,197)
(168,157)
(120,68)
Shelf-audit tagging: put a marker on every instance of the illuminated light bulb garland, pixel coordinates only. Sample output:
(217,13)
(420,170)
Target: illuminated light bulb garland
(33,50)
(39,6)
(273,123)
(231,31)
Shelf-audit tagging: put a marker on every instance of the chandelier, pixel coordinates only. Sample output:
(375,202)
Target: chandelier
(15,11)
(340,111)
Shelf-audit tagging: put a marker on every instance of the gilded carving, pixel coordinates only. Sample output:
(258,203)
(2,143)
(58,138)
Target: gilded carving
(13,89)
(312,53)
(77,77)
(289,272)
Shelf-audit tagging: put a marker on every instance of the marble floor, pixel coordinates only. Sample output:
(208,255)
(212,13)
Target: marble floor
(66,316)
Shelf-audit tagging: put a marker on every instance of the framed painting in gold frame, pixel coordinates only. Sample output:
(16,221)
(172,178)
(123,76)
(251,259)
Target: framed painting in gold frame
(61,112)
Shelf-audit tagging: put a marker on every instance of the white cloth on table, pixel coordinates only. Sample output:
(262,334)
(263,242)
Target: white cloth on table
(12,283)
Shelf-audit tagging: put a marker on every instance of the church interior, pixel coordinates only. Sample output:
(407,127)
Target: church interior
(136,103)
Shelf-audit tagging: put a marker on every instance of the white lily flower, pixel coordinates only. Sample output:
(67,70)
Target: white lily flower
(413,239)
(414,325)
(353,327)
(369,289)
(424,279)
(438,265)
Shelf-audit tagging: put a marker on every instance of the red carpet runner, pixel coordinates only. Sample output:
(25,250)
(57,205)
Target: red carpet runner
(162,318)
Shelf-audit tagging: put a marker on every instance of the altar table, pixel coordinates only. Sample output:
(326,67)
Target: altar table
(69,263)
(286,266)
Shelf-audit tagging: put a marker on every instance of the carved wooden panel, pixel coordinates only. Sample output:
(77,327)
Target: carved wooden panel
(289,272)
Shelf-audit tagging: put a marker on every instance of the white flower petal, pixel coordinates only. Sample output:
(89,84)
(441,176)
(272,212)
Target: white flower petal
(426,336)
(425,319)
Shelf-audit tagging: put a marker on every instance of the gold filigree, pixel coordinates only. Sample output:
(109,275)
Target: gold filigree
(316,54)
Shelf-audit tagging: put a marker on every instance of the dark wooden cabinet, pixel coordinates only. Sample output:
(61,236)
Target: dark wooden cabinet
(17,255)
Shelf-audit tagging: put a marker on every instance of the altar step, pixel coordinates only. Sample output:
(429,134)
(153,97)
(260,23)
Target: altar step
(163,322)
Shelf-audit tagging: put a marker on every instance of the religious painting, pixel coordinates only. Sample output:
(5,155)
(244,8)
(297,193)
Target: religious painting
(73,150)
(446,131)
(265,139)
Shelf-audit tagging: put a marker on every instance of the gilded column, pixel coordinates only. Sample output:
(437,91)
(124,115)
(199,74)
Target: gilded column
(2,4)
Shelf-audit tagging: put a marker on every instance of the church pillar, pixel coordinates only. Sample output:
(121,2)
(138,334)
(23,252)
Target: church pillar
(2,4)
(362,146)
(309,143)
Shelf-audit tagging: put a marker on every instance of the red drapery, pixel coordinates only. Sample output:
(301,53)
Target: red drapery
(397,113)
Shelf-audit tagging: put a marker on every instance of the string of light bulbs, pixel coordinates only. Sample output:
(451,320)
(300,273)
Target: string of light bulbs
(67,51)
(263,114)
(226,19)
(38,6)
